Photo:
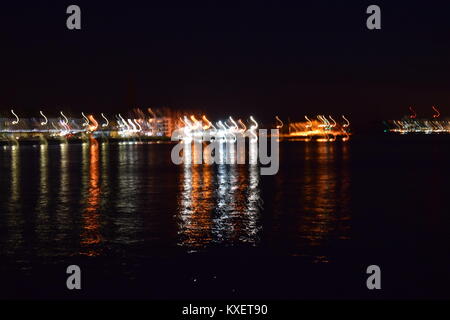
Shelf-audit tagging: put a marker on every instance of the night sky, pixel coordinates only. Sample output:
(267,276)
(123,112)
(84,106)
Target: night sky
(290,59)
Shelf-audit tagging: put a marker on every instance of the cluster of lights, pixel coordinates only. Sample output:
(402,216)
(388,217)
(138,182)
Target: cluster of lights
(322,129)
(188,126)
(192,129)
(64,127)
(412,125)
(420,126)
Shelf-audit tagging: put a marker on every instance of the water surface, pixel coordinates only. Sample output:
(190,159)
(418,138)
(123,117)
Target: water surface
(143,227)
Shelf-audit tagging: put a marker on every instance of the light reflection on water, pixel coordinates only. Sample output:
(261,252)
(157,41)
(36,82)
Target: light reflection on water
(62,219)
(90,236)
(13,215)
(312,199)
(126,212)
(99,199)
(218,203)
(43,221)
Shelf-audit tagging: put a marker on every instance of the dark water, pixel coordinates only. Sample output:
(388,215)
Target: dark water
(142,227)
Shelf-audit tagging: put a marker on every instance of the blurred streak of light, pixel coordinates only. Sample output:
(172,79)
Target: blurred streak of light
(253,128)
(107,122)
(334,122)
(279,126)
(119,122)
(132,124)
(137,123)
(255,123)
(208,123)
(234,123)
(189,124)
(231,130)
(65,118)
(55,126)
(220,124)
(124,122)
(414,114)
(152,113)
(86,123)
(195,121)
(326,126)
(15,115)
(323,123)
(345,126)
(185,124)
(66,128)
(347,123)
(309,125)
(94,125)
(46,120)
(437,114)
(244,127)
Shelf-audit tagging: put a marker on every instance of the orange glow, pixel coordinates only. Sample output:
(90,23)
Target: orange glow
(94,124)
(91,225)
(437,114)
(208,123)
(280,123)
(322,129)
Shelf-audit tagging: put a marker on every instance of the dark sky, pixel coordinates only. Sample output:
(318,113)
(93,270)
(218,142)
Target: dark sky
(264,58)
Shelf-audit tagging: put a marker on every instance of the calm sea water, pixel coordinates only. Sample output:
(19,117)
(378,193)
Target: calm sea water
(142,227)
